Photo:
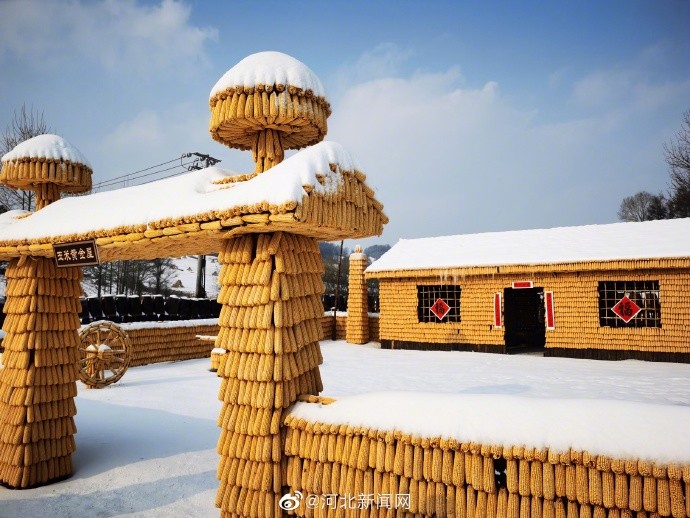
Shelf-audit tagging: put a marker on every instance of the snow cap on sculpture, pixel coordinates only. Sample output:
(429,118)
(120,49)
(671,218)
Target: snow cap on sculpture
(267,103)
(48,165)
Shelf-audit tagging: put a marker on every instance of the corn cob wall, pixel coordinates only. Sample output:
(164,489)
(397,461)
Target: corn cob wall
(327,326)
(357,300)
(447,478)
(575,308)
(270,325)
(38,379)
(164,344)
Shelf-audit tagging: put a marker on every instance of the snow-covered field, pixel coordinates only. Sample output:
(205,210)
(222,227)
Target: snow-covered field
(146,445)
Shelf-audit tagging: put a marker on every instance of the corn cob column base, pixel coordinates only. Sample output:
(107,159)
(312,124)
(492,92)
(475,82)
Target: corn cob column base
(38,378)
(270,324)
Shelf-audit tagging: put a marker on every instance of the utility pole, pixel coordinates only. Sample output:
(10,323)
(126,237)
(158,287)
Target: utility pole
(337,287)
(200,292)
(201,161)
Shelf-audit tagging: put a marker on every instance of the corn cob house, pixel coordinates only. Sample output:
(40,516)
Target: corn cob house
(265,225)
(602,291)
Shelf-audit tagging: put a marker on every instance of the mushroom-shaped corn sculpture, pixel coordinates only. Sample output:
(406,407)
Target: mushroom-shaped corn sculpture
(48,165)
(268,102)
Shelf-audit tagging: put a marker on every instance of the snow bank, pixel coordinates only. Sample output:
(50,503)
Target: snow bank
(646,240)
(270,68)
(48,146)
(616,428)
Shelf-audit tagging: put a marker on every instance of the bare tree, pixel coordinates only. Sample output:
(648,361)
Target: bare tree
(677,154)
(25,124)
(131,277)
(643,206)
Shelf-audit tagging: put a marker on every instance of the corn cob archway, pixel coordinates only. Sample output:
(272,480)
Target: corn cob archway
(270,282)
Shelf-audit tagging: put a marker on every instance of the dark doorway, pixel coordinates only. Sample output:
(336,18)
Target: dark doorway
(523,313)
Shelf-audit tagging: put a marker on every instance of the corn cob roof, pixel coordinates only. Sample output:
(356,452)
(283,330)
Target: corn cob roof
(318,192)
(589,244)
(268,91)
(46,159)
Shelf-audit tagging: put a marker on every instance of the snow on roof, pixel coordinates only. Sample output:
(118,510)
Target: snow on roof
(645,240)
(48,146)
(185,195)
(270,68)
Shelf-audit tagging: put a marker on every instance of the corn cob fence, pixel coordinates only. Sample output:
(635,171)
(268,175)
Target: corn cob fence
(447,478)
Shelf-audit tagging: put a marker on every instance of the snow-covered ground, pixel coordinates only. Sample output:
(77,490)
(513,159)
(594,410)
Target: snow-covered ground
(146,445)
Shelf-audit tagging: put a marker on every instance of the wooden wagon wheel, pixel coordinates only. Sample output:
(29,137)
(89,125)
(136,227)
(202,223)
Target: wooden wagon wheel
(104,354)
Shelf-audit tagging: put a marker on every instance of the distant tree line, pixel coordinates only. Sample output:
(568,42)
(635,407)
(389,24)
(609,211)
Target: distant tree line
(152,276)
(330,253)
(645,206)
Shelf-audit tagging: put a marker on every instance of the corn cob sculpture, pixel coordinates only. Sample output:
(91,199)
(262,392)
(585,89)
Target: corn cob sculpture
(268,102)
(39,373)
(271,286)
(48,165)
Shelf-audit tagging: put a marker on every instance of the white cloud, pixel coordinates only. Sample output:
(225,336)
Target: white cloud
(116,34)
(448,158)
(632,87)
(152,137)
(603,87)
(382,61)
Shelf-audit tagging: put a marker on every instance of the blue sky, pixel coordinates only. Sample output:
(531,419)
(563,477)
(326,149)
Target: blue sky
(466,116)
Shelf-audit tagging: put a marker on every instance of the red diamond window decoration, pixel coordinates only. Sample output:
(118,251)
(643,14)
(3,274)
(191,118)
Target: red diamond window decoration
(440,308)
(626,309)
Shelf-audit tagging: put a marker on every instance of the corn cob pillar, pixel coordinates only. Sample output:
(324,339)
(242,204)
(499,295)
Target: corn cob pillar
(270,325)
(267,150)
(357,300)
(38,380)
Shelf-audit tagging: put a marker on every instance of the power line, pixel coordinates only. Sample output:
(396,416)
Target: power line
(127,178)
(199,161)
(112,180)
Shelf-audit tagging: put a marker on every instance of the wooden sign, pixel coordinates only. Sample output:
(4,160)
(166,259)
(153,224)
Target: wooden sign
(78,253)
(522,285)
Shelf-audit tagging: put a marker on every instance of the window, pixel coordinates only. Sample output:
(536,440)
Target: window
(644,297)
(429,296)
